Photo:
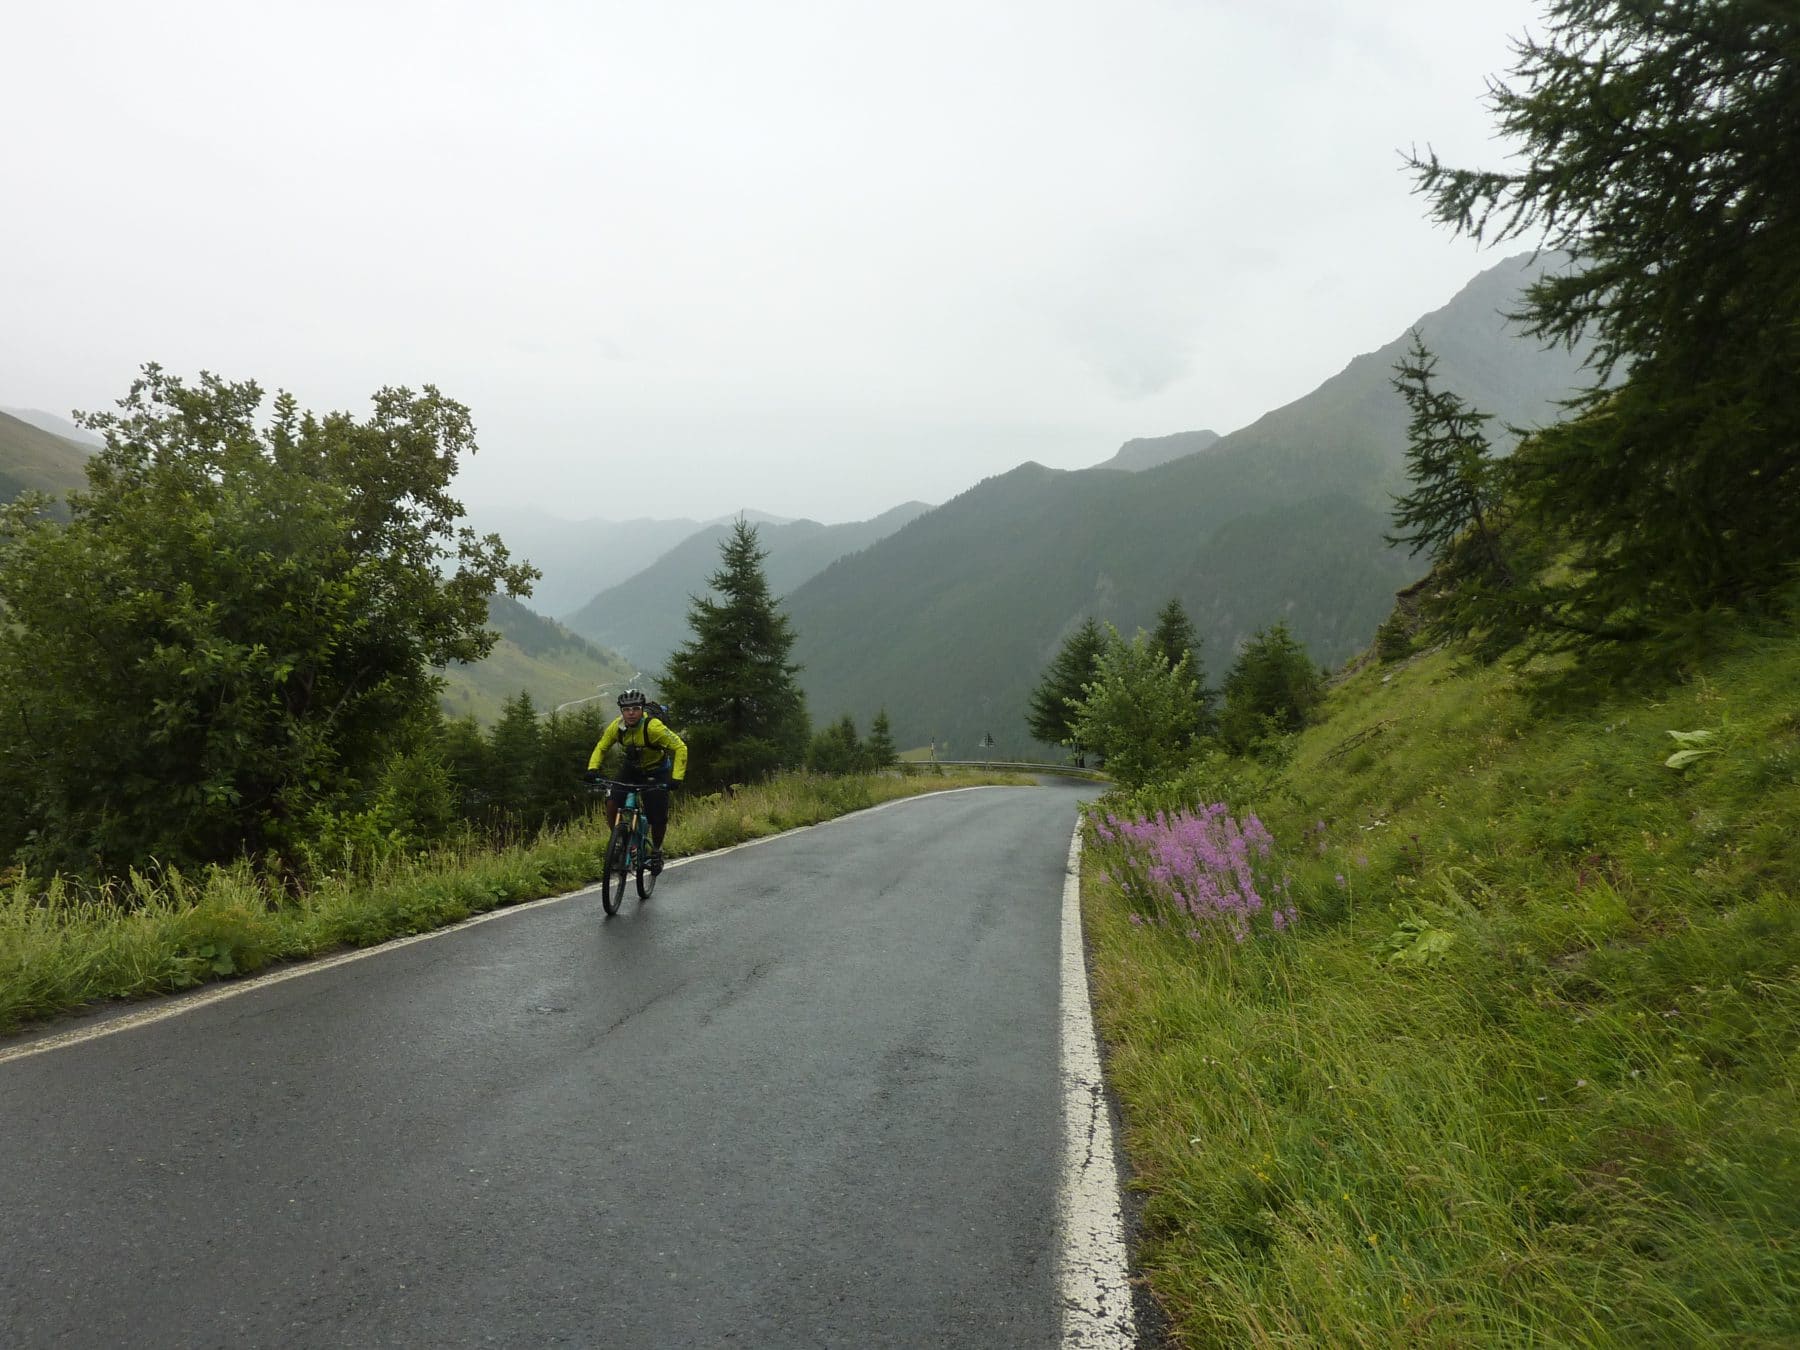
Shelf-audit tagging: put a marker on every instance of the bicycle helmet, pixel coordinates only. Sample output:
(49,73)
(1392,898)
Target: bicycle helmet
(632,698)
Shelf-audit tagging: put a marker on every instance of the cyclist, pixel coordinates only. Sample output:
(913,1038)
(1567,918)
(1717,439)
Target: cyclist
(653,754)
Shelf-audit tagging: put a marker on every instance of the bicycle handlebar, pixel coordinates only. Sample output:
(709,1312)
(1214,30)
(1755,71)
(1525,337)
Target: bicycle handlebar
(640,787)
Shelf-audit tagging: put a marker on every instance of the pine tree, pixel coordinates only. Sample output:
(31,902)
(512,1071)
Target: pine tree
(880,745)
(745,716)
(837,749)
(1457,514)
(1176,639)
(1051,716)
(1457,483)
(1656,144)
(1271,690)
(513,755)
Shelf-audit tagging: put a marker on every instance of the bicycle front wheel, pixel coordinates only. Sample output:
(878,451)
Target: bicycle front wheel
(646,879)
(612,880)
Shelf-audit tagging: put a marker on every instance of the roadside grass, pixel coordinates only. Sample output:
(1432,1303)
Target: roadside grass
(155,933)
(1523,1072)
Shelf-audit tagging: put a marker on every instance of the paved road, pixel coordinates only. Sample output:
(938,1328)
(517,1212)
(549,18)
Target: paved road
(807,1095)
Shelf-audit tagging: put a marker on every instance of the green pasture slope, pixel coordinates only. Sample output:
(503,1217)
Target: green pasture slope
(1523,1073)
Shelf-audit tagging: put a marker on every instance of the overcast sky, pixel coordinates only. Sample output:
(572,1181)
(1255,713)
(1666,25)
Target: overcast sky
(814,259)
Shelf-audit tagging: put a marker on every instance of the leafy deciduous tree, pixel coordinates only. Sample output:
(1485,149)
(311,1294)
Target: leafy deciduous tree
(236,627)
(1138,712)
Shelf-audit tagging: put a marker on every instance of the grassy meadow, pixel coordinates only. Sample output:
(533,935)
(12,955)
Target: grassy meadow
(1522,1070)
(62,948)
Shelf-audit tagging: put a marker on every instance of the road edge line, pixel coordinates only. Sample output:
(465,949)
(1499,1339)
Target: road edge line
(1093,1279)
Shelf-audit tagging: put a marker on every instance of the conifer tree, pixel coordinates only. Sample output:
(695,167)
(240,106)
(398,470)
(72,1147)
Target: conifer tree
(1457,514)
(880,745)
(1271,690)
(1656,147)
(1176,639)
(1051,716)
(745,716)
(837,749)
(1456,480)
(513,755)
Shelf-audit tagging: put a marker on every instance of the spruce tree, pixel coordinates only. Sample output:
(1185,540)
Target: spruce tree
(745,716)
(1457,514)
(1176,639)
(837,749)
(1456,480)
(880,745)
(513,757)
(1656,146)
(1051,716)
(1272,689)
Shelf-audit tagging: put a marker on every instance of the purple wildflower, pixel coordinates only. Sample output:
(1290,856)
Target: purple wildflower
(1202,865)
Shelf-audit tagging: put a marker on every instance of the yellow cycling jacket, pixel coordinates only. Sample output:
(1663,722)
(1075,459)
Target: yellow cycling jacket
(644,745)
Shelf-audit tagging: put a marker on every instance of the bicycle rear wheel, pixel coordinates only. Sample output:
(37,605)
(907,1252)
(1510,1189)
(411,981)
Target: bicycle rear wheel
(612,880)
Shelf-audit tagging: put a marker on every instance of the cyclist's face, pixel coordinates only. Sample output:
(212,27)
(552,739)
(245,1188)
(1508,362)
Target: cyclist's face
(631,715)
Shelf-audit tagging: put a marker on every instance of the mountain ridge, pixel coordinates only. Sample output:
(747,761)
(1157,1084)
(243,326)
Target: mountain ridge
(949,623)
(644,617)
(1146,452)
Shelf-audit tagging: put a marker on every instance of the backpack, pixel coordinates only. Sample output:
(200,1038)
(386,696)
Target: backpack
(660,711)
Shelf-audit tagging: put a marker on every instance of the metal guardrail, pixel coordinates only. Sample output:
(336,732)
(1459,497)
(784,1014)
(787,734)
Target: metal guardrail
(1006,766)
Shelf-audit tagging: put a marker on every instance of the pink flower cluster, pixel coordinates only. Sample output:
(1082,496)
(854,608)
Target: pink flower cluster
(1201,865)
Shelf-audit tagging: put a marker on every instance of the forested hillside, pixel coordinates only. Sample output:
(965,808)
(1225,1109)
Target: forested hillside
(950,622)
(56,426)
(535,656)
(35,460)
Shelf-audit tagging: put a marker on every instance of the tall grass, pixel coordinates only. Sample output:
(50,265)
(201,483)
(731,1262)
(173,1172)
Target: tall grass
(153,933)
(1524,1070)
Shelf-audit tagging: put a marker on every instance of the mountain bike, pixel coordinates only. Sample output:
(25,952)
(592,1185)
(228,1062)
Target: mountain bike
(629,848)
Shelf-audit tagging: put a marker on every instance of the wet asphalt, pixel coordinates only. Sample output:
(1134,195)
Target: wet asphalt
(806,1095)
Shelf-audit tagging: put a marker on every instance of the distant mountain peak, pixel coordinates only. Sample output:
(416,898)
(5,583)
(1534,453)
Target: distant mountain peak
(1146,452)
(749,517)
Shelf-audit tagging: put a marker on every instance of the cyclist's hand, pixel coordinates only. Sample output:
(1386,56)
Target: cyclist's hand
(674,786)
(593,776)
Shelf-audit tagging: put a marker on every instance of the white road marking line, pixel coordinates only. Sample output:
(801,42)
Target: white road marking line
(1092,1275)
(315,965)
